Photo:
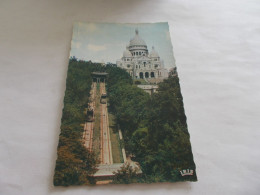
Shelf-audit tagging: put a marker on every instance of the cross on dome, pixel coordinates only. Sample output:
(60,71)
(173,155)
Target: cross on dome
(154,53)
(137,40)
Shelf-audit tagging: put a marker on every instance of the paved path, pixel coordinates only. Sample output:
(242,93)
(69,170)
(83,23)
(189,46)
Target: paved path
(89,126)
(106,151)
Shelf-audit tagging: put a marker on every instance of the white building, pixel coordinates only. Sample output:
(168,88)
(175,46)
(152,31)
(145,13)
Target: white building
(139,62)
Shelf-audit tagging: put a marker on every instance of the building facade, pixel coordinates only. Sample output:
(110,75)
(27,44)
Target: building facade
(139,62)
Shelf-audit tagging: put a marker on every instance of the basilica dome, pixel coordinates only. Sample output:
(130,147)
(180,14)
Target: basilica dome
(139,62)
(127,54)
(137,40)
(154,53)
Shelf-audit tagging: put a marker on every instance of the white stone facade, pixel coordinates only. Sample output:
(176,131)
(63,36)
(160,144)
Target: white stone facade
(139,63)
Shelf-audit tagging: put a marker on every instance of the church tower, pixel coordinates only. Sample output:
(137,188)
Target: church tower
(139,63)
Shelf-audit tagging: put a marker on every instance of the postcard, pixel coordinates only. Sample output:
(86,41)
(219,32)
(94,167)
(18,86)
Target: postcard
(123,119)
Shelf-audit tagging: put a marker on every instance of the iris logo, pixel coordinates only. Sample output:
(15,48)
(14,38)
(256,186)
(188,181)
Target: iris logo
(185,172)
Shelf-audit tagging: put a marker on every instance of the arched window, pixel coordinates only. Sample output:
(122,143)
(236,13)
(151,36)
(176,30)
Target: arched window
(141,75)
(139,53)
(144,64)
(136,66)
(152,74)
(147,75)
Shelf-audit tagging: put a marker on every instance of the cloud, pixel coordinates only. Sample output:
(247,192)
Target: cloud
(75,44)
(168,36)
(89,27)
(93,47)
(92,27)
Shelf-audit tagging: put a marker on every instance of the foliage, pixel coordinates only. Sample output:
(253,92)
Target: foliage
(127,174)
(154,128)
(137,82)
(75,164)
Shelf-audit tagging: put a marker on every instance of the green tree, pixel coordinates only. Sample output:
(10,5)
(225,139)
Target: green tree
(127,174)
(75,164)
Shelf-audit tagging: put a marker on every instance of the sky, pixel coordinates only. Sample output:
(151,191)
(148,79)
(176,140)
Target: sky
(106,42)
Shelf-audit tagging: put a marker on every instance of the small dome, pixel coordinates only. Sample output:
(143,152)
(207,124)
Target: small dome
(137,40)
(127,54)
(153,53)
